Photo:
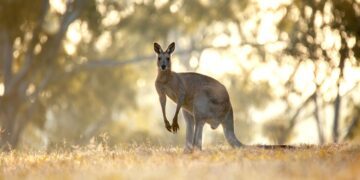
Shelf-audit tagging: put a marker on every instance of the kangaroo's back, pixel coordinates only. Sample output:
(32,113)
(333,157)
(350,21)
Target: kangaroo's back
(197,78)
(198,83)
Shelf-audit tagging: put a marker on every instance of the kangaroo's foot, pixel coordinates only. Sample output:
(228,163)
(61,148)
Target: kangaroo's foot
(197,150)
(188,150)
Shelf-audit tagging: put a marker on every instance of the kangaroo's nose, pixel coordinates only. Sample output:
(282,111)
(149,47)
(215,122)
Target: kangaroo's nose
(163,67)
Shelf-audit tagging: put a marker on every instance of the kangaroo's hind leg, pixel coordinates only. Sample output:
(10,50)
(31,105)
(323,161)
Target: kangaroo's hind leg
(228,127)
(199,125)
(201,111)
(189,120)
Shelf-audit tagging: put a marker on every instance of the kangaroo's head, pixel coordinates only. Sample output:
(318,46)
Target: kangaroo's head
(164,57)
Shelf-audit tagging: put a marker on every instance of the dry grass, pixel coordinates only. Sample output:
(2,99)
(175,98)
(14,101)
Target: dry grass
(146,162)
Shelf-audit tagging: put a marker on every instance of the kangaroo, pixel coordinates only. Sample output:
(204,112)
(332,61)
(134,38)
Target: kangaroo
(202,99)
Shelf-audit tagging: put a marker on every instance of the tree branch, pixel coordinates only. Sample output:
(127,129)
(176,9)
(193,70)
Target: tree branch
(29,55)
(73,11)
(293,119)
(111,63)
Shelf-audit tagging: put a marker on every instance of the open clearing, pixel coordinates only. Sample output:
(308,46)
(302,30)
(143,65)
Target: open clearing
(221,162)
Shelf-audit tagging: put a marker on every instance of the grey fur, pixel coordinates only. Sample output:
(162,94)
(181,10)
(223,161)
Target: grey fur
(201,98)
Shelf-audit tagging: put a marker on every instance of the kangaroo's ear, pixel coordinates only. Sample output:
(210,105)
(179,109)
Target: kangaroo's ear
(157,48)
(171,48)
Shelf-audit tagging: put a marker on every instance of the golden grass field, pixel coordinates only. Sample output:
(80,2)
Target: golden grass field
(337,161)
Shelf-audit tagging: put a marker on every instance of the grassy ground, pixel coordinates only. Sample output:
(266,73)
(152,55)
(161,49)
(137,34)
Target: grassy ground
(146,162)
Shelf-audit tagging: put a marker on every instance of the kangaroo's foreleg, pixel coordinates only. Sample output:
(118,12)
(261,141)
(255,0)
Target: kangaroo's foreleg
(180,101)
(162,98)
(189,120)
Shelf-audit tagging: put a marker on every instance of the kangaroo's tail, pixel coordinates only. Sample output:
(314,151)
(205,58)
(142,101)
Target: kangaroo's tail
(228,127)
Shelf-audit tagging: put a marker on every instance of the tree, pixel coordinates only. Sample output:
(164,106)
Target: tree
(308,25)
(39,76)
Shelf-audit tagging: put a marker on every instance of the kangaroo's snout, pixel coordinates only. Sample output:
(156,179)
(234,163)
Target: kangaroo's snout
(163,67)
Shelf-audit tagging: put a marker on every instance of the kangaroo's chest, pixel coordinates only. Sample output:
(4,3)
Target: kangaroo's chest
(171,93)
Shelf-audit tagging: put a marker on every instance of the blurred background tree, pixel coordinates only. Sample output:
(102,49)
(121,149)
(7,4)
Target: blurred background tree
(326,33)
(71,70)
(43,77)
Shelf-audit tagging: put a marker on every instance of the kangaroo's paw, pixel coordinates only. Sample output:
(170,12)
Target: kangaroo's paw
(168,126)
(175,127)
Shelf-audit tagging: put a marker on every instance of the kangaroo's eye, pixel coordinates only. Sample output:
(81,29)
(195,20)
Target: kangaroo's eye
(168,59)
(158,58)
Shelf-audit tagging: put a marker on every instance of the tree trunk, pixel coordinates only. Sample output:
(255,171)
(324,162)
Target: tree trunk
(317,118)
(8,138)
(344,52)
(336,117)
(8,106)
